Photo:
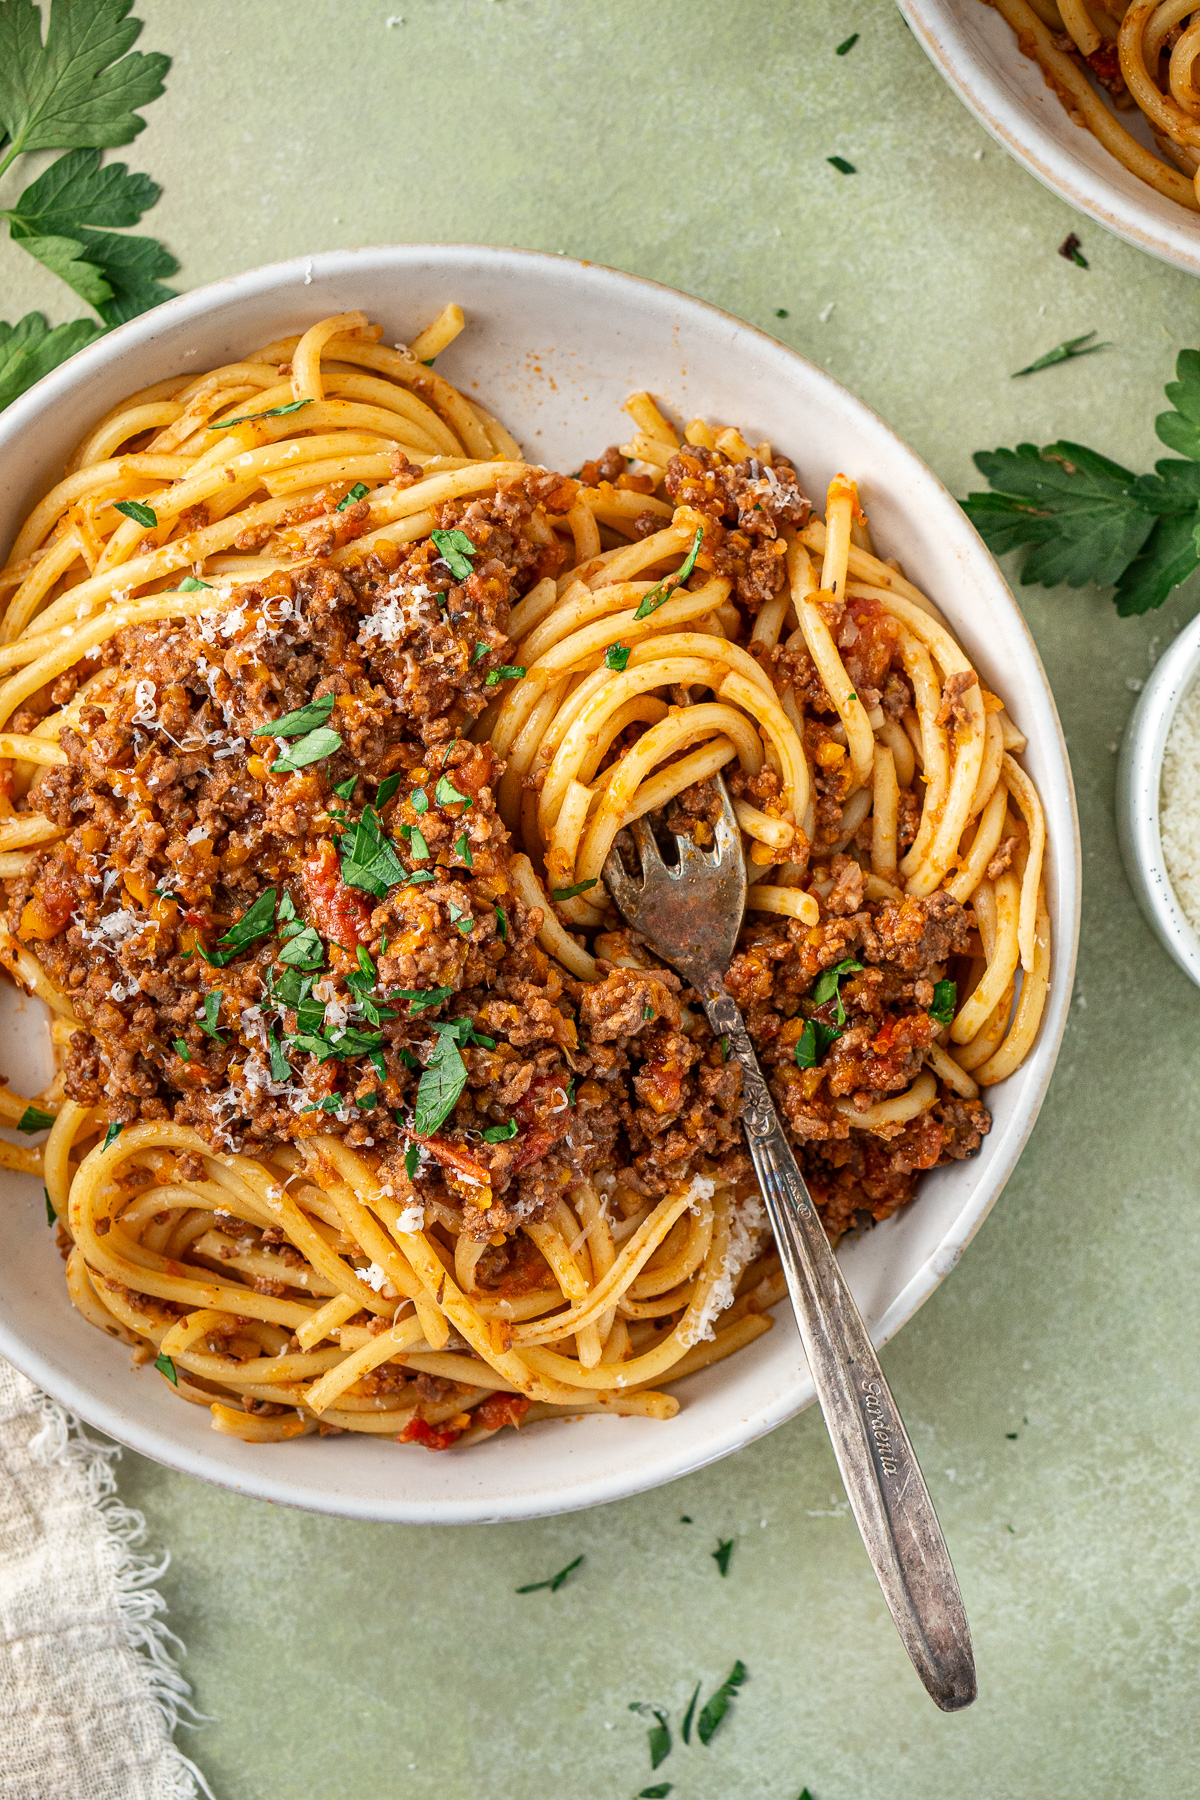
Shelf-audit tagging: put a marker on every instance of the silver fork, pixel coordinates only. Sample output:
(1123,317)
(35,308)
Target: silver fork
(690,915)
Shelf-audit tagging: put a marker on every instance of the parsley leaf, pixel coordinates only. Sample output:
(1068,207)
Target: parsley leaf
(315,747)
(359,491)
(722,1554)
(569,893)
(443,1081)
(506,672)
(412,1158)
(616,657)
(179,1045)
(387,788)
(554,1582)
(272,412)
(345,789)
(479,652)
(113,1133)
(827,986)
(420,801)
(253,924)
(79,87)
(55,220)
(662,593)
(1065,352)
(34,1119)
(212,1012)
(166,1366)
(841,165)
(813,1042)
(686,1729)
(659,1791)
(51,1215)
(296,724)
(135,510)
(455,549)
(844,48)
(281,1068)
(419,999)
(463,850)
(416,842)
(370,860)
(500,1134)
(716,1708)
(189,585)
(305,951)
(446,794)
(31,348)
(945,994)
(502,924)
(659,1734)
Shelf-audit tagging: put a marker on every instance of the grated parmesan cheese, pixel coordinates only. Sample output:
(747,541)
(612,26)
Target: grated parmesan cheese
(746,1226)
(1179,815)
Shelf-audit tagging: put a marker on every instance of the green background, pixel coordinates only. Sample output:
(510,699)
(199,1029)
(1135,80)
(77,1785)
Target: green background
(687,140)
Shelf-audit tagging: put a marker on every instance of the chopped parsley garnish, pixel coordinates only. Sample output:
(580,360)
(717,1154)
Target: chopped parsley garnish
(500,1134)
(34,1119)
(945,994)
(569,893)
(685,1730)
(1069,248)
(442,1082)
(296,724)
(212,1013)
(190,585)
(416,842)
(51,1215)
(113,1133)
(456,550)
(479,652)
(506,672)
(1086,519)
(502,924)
(446,794)
(345,789)
(723,1047)
(313,748)
(137,511)
(386,789)
(305,951)
(366,1099)
(659,1791)
(722,1554)
(659,1734)
(571,1090)
(841,165)
(648,1013)
(253,924)
(370,860)
(1065,352)
(420,875)
(662,593)
(359,491)
(616,656)
(463,850)
(844,49)
(166,1366)
(281,1068)
(781,312)
(419,999)
(716,1708)
(554,1582)
(181,1050)
(814,1041)
(463,922)
(827,986)
(420,801)
(412,1158)
(272,412)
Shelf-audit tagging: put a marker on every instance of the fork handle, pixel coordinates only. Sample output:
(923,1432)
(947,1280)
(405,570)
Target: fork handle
(883,1481)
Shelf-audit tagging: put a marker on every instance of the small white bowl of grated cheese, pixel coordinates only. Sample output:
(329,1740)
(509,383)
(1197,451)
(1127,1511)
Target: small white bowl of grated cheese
(1158,800)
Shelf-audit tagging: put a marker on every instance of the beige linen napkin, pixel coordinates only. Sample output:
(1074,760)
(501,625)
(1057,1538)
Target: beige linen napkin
(89,1692)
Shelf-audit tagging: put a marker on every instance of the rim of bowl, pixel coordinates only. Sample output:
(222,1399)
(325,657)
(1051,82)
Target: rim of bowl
(1018,131)
(1139,810)
(737,1432)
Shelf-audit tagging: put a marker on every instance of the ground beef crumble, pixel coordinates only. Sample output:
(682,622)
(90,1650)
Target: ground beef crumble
(177,824)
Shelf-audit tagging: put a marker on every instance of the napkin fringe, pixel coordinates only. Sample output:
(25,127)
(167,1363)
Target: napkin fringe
(61,1441)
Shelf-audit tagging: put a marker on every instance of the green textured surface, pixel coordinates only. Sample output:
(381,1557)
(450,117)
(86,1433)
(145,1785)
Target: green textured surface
(686,140)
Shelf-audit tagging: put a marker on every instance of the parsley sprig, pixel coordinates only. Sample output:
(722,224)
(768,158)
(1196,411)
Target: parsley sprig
(79,90)
(1083,518)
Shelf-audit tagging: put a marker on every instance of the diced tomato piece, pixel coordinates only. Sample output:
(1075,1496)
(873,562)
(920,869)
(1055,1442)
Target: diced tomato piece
(500,1409)
(340,913)
(458,1158)
(544,1109)
(434,1437)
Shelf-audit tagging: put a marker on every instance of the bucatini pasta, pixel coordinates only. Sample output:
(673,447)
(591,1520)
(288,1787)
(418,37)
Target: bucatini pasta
(320,711)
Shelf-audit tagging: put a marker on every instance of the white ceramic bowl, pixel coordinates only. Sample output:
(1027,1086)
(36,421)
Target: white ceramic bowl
(1139,783)
(975,50)
(552,346)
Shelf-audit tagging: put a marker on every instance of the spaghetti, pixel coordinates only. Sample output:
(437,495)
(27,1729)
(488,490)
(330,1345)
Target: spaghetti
(1143,54)
(320,711)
